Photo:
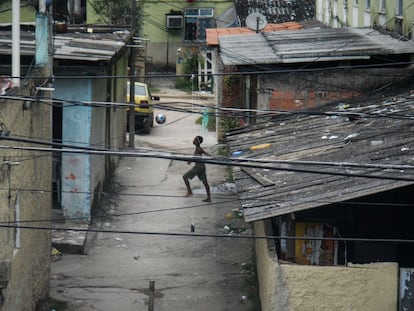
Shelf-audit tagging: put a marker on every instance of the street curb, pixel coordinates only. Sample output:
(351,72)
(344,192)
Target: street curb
(70,241)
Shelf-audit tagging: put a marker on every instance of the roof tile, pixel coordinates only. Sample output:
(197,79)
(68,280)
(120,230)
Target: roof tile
(212,34)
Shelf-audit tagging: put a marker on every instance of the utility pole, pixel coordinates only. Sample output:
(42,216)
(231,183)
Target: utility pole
(151,295)
(16,43)
(132,77)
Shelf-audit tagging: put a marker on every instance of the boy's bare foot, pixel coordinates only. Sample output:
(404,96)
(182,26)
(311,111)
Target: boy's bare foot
(189,194)
(208,200)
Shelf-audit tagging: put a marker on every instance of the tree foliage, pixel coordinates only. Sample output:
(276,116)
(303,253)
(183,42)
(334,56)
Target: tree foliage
(115,12)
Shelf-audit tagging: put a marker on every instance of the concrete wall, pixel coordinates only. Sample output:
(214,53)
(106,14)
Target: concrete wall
(273,295)
(84,176)
(344,13)
(99,139)
(117,116)
(370,287)
(162,53)
(108,127)
(76,131)
(25,195)
(284,287)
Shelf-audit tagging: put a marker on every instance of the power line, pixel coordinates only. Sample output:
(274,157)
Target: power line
(184,157)
(295,70)
(280,71)
(224,200)
(260,164)
(209,235)
(246,160)
(233,73)
(106,216)
(220,111)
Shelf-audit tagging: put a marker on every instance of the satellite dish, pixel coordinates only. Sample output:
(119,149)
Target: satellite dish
(256,21)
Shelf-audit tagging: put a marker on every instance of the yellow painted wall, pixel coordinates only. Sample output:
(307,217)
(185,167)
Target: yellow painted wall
(291,287)
(370,287)
(273,293)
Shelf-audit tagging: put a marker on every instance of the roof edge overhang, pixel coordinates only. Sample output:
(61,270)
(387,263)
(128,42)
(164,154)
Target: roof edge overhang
(277,209)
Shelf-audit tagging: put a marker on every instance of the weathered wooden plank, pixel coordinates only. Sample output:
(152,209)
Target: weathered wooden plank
(255,174)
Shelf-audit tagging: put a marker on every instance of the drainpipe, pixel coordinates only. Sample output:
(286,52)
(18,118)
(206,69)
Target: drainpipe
(132,79)
(42,36)
(345,13)
(16,43)
(247,96)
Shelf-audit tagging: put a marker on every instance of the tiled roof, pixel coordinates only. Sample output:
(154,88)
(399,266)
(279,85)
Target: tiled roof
(212,34)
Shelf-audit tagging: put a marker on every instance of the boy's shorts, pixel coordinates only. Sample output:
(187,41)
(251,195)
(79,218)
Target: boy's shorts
(198,170)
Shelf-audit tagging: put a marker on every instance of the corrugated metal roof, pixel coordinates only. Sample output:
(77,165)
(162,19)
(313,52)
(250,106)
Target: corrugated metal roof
(249,49)
(372,133)
(84,46)
(309,45)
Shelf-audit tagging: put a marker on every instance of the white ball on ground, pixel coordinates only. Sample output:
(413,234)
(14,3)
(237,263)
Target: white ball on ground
(160,118)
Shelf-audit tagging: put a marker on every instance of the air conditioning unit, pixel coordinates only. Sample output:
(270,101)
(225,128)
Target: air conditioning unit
(175,21)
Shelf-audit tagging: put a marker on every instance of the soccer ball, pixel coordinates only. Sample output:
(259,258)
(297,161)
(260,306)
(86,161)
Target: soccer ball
(160,118)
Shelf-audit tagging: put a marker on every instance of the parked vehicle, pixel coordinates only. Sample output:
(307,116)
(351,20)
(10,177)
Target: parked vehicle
(144,109)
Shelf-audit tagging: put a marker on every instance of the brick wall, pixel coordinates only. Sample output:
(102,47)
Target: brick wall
(287,99)
(306,90)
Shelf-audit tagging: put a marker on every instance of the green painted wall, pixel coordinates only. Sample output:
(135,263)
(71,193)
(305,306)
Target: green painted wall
(154,20)
(163,44)
(92,17)
(27,13)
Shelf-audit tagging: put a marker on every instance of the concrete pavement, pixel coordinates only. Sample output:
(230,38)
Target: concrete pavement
(147,198)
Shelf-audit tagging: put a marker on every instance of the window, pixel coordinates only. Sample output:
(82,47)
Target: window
(197,20)
(399,8)
(140,90)
(367,5)
(382,6)
(355,2)
(72,11)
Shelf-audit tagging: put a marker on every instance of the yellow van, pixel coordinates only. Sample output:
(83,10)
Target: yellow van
(144,110)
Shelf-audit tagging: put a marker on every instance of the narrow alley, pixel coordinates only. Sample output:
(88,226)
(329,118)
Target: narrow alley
(147,195)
